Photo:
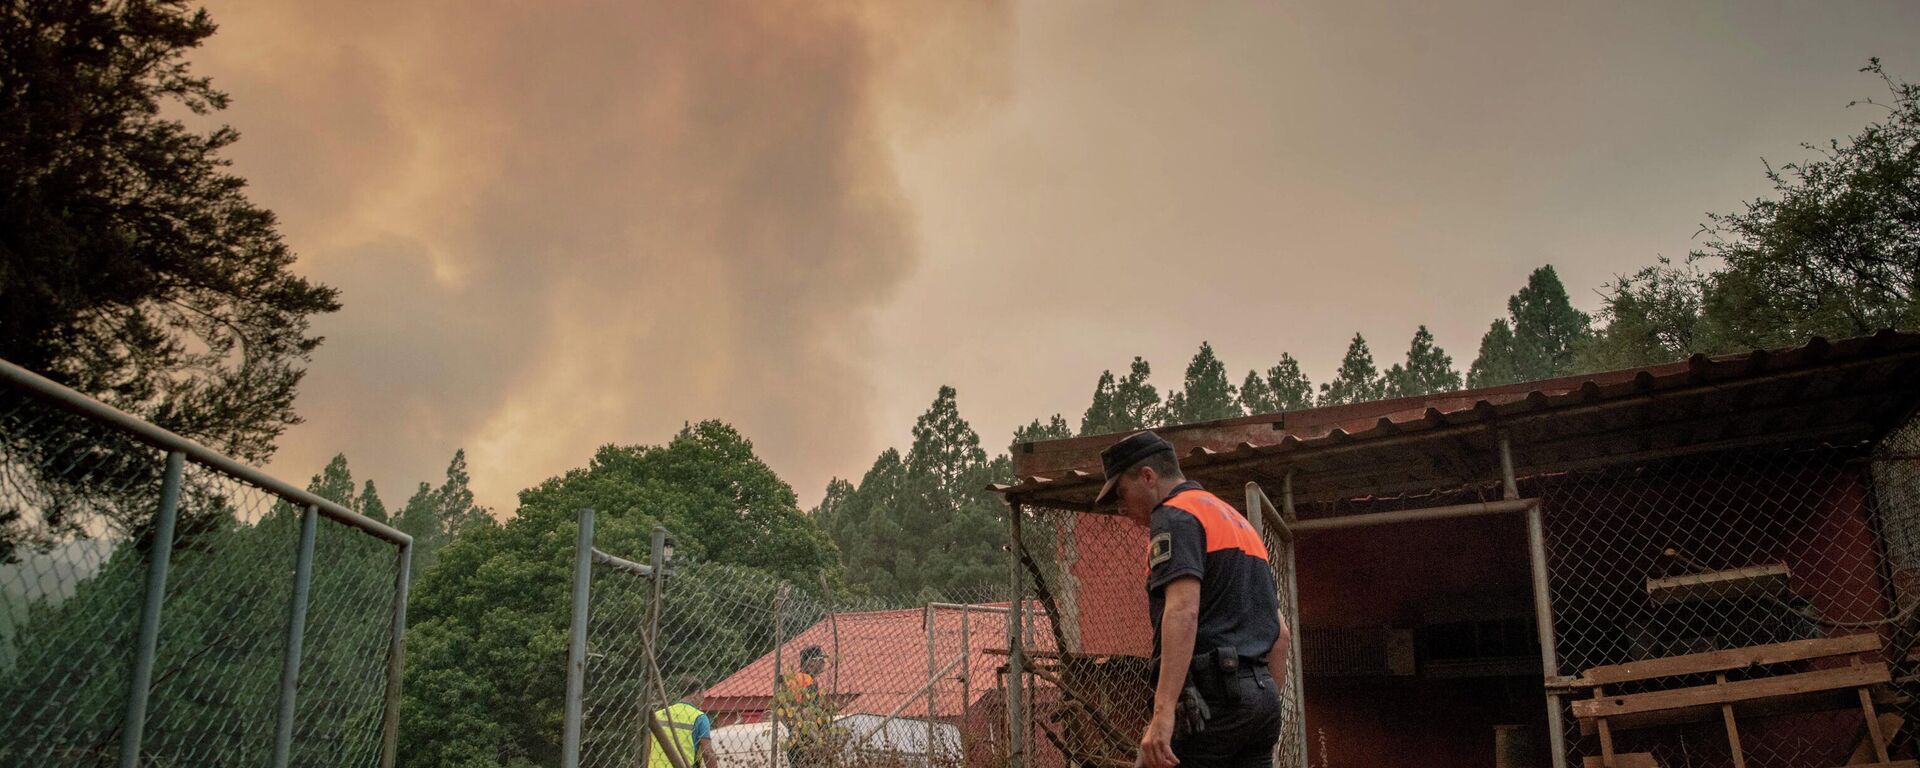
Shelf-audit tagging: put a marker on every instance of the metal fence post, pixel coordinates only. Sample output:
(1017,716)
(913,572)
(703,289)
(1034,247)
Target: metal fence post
(1542,601)
(1296,677)
(133,725)
(1016,657)
(932,673)
(779,681)
(296,638)
(577,641)
(396,660)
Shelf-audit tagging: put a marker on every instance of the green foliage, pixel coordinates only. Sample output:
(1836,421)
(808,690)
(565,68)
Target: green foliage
(1428,369)
(434,516)
(1832,253)
(1284,388)
(1537,340)
(925,523)
(132,265)
(1055,429)
(1357,381)
(869,524)
(1207,395)
(1652,316)
(488,639)
(1125,405)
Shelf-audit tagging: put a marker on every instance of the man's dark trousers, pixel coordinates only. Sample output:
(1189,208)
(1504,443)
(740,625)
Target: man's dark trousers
(1241,736)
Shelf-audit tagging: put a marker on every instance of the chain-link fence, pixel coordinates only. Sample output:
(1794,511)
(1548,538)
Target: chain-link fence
(163,605)
(1735,550)
(788,674)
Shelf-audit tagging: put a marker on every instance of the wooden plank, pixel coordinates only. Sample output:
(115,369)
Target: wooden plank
(1736,692)
(1889,727)
(1732,659)
(1622,760)
(1733,729)
(1751,581)
(1873,727)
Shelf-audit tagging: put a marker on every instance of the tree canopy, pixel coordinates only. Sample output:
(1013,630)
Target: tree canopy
(1833,252)
(489,622)
(133,267)
(1537,340)
(1428,369)
(1123,405)
(1357,381)
(1207,394)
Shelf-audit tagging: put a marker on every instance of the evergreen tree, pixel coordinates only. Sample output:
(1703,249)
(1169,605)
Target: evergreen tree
(1539,339)
(1125,405)
(1283,388)
(133,267)
(1428,369)
(370,504)
(434,516)
(1207,395)
(1256,396)
(1496,364)
(872,533)
(947,476)
(335,483)
(1357,381)
(1055,429)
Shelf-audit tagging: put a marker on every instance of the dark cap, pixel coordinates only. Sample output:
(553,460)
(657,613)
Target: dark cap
(812,652)
(1121,456)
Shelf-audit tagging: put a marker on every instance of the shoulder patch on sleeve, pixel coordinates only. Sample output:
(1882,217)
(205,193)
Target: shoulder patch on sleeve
(1160,549)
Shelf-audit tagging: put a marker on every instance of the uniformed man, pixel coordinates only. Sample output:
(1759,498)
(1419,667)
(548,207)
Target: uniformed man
(1218,636)
(689,728)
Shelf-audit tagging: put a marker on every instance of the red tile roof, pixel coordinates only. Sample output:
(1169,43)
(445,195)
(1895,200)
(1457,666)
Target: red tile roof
(881,662)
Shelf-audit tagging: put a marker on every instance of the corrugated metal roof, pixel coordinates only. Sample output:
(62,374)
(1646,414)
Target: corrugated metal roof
(1822,392)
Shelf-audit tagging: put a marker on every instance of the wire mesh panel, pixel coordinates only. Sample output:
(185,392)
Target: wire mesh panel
(1728,551)
(81,534)
(790,675)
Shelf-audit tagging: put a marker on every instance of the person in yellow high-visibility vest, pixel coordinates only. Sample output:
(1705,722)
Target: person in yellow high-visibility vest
(689,728)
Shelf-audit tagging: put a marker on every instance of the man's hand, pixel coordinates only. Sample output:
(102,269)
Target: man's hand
(1178,622)
(1156,745)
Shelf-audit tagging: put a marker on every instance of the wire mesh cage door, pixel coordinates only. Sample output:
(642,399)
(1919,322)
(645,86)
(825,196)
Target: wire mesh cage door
(1272,522)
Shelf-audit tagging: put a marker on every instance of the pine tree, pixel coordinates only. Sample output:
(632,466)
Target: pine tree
(1358,381)
(1256,396)
(370,503)
(1125,405)
(1207,395)
(335,483)
(1428,369)
(1496,364)
(1284,388)
(1539,339)
(1055,429)
(947,474)
(435,516)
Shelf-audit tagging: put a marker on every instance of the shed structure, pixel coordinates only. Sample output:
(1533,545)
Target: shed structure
(1453,563)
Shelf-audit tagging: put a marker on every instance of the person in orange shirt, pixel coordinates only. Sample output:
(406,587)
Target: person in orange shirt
(806,713)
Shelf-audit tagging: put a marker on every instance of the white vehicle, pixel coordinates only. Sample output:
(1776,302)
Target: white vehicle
(870,740)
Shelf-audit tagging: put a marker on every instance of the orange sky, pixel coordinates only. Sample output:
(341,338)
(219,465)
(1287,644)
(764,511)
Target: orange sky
(568,223)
